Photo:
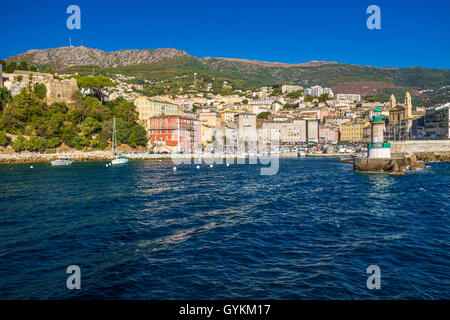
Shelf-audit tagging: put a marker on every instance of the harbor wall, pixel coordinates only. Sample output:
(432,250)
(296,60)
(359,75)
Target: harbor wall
(415,146)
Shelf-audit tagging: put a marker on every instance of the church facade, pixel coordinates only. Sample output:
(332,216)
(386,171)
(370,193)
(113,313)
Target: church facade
(400,121)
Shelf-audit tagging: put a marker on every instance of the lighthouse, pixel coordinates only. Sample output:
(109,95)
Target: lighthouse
(377,148)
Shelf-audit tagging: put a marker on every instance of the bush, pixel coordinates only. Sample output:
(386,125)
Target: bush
(40,90)
(99,143)
(4,139)
(83,142)
(19,144)
(53,143)
(73,141)
(5,97)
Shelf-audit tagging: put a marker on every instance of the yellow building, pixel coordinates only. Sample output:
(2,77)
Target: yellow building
(354,131)
(148,108)
(227,115)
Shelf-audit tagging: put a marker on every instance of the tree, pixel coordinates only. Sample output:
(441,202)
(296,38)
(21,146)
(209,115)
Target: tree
(19,144)
(4,139)
(263,115)
(289,106)
(95,84)
(90,126)
(53,143)
(123,109)
(10,67)
(5,97)
(123,130)
(141,135)
(40,90)
(83,143)
(49,70)
(295,94)
(99,143)
(245,101)
(23,66)
(132,140)
(309,98)
(324,97)
(35,144)
(70,135)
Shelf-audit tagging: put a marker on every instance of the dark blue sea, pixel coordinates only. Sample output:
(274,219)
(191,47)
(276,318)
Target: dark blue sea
(144,231)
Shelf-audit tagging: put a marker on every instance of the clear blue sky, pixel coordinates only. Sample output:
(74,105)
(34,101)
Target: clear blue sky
(413,33)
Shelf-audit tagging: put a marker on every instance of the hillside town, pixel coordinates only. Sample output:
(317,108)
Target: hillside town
(315,118)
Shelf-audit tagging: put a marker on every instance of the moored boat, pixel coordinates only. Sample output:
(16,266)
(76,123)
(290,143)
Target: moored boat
(62,162)
(116,159)
(119,160)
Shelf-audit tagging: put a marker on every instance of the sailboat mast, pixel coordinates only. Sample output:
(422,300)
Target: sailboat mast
(114,136)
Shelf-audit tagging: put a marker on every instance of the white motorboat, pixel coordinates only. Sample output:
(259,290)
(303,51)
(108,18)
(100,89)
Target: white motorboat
(62,162)
(116,159)
(119,160)
(301,154)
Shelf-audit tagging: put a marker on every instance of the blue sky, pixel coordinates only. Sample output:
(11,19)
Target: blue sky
(413,33)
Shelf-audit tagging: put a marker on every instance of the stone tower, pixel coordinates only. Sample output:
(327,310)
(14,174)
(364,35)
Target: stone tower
(408,105)
(393,102)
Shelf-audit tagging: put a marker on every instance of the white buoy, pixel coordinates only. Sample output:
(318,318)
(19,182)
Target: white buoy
(211,166)
(31,167)
(228,164)
(198,167)
(106,164)
(174,168)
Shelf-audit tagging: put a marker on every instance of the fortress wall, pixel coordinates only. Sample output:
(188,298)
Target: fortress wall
(60,90)
(415,146)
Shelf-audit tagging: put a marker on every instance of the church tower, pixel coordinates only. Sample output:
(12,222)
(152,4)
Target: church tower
(393,102)
(408,105)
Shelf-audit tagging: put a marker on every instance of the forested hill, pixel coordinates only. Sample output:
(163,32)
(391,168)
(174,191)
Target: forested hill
(28,123)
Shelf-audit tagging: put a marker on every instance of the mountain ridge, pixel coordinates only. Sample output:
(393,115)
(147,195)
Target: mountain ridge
(81,55)
(428,86)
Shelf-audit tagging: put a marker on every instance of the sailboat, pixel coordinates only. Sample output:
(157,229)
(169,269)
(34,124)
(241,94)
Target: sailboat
(116,159)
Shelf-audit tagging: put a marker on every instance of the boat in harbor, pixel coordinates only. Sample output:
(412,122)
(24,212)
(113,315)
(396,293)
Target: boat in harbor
(116,158)
(301,154)
(62,162)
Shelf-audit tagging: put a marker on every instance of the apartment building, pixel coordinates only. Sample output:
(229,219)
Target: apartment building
(437,122)
(148,108)
(179,133)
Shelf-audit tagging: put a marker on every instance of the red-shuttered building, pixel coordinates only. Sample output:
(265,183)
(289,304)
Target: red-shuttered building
(179,133)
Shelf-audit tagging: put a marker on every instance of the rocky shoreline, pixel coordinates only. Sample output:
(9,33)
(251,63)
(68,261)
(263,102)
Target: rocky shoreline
(399,164)
(396,165)
(31,157)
